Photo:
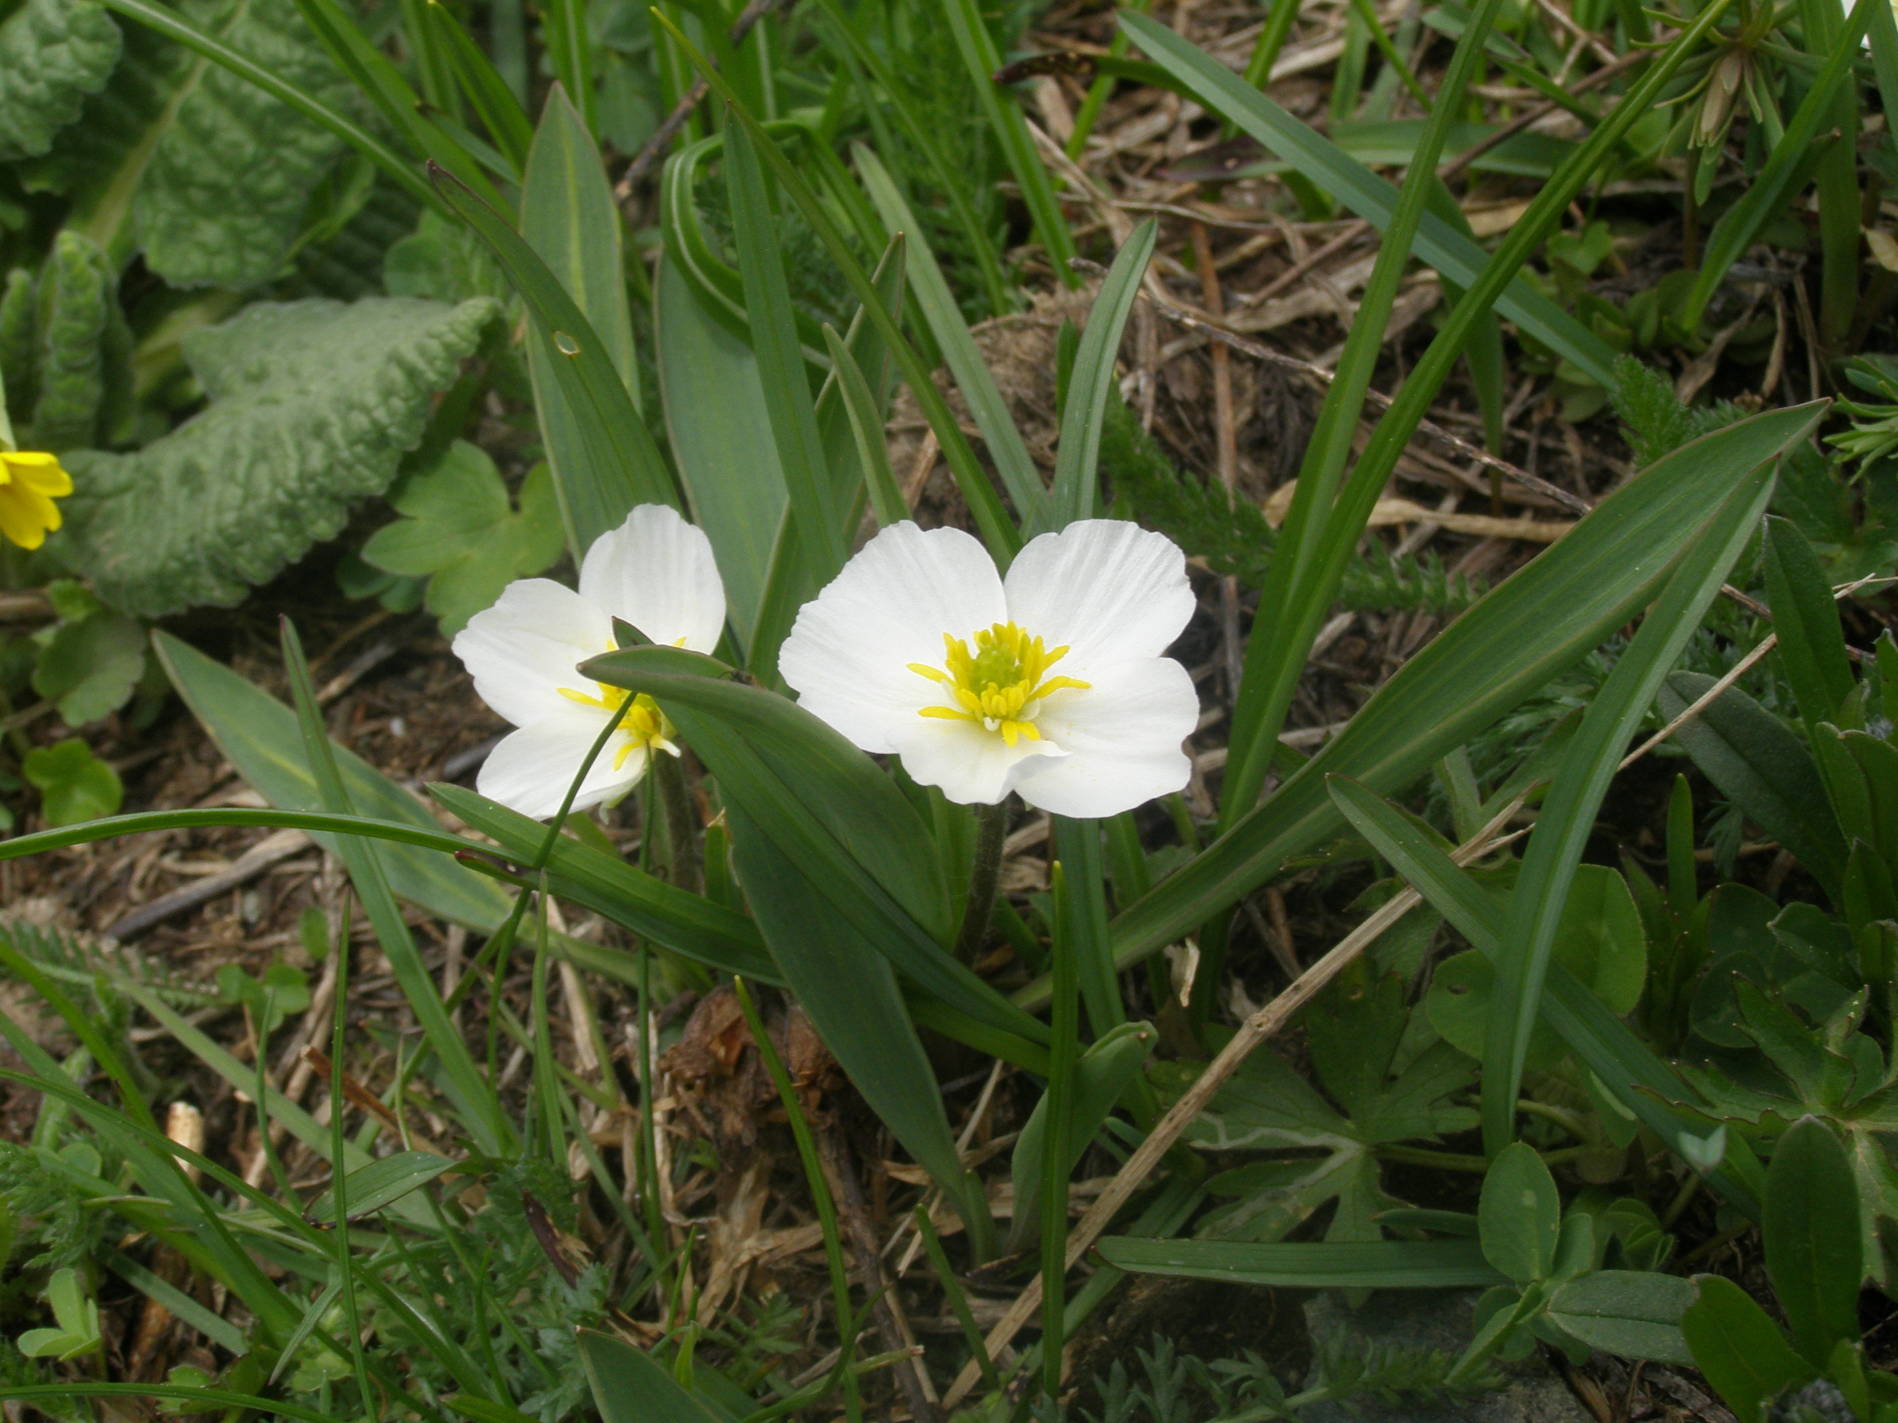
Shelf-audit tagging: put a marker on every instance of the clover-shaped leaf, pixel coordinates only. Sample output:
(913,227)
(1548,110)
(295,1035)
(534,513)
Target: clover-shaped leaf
(460,533)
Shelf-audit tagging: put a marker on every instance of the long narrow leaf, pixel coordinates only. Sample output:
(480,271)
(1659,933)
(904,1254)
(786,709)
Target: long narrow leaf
(1075,478)
(1526,630)
(1581,780)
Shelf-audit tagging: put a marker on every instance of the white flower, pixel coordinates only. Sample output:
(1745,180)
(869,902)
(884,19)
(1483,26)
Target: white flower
(1048,682)
(654,571)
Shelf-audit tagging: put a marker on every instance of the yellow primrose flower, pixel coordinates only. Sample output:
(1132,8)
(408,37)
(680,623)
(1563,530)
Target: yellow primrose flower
(30,481)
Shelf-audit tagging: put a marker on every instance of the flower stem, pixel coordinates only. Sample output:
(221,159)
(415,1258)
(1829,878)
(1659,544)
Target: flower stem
(991,823)
(682,821)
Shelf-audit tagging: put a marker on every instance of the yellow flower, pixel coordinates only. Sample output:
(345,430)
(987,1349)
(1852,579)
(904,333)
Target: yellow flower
(29,483)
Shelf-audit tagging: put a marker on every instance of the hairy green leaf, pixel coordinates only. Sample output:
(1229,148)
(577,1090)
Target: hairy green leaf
(53,53)
(313,404)
(82,350)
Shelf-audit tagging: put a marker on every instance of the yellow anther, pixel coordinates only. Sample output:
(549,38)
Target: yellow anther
(999,684)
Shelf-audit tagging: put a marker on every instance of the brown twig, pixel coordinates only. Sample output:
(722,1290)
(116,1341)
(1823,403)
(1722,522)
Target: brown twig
(648,156)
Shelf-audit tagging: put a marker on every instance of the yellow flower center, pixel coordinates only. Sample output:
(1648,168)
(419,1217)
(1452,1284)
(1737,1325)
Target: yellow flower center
(1000,685)
(642,723)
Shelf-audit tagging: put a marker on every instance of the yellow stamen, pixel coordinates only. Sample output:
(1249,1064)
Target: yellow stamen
(643,725)
(1000,685)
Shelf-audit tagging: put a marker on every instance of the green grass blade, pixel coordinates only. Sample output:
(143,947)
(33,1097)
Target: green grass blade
(604,459)
(569,217)
(838,818)
(781,368)
(985,509)
(720,435)
(866,433)
(258,735)
(944,180)
(630,1386)
(1076,481)
(1319,527)
(1567,817)
(845,981)
(1366,194)
(479,1110)
(1806,619)
(959,352)
(481,83)
(1544,618)
(1358,1264)
(1005,119)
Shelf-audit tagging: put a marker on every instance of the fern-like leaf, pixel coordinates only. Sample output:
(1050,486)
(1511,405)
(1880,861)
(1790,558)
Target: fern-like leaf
(53,53)
(312,406)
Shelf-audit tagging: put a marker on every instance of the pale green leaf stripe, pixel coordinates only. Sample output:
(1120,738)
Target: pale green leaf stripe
(959,352)
(713,399)
(1544,618)
(569,217)
(1358,1264)
(1581,781)
(1361,190)
(1075,468)
(602,441)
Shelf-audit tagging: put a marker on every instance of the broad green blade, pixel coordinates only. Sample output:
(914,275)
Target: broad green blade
(629,1385)
(604,459)
(720,435)
(1528,629)
(830,811)
(937,303)
(1076,478)
(850,991)
(258,736)
(1359,1264)
(1581,780)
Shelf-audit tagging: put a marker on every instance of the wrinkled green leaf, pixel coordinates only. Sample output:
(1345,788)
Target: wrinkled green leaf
(53,53)
(82,376)
(225,190)
(312,405)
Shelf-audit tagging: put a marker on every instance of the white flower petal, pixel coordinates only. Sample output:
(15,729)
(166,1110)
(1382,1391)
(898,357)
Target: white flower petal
(522,650)
(531,768)
(972,766)
(656,572)
(1122,736)
(849,652)
(1106,588)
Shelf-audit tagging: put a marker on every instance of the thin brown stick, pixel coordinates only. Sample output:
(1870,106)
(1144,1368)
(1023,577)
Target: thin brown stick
(648,156)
